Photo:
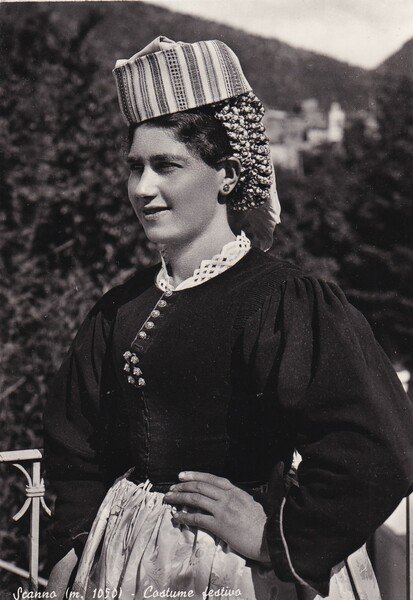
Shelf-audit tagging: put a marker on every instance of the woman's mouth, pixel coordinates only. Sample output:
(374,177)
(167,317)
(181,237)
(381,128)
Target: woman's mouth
(154,212)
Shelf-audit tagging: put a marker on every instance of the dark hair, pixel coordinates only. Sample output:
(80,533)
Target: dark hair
(198,129)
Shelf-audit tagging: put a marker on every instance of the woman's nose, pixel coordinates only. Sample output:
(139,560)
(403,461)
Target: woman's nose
(145,184)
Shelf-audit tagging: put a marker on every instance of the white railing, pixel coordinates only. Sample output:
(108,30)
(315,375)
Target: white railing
(34,500)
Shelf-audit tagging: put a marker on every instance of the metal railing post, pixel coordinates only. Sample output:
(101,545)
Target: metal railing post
(34,500)
(34,529)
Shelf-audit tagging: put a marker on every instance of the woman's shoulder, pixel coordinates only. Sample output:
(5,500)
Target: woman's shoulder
(285,278)
(280,292)
(120,294)
(268,276)
(267,264)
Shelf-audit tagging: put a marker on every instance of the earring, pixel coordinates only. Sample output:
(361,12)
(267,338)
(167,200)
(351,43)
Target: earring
(226,188)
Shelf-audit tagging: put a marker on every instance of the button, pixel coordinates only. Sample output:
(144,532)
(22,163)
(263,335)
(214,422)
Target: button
(127,355)
(127,368)
(149,325)
(131,380)
(168,293)
(143,335)
(134,359)
(155,313)
(141,382)
(136,371)
(162,303)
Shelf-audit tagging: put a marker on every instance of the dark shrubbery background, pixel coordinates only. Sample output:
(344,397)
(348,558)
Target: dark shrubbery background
(67,232)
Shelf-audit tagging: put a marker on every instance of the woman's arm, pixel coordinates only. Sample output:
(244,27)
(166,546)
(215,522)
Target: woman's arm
(352,424)
(72,440)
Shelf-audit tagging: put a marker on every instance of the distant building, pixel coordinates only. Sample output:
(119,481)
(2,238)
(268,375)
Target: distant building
(336,123)
(291,134)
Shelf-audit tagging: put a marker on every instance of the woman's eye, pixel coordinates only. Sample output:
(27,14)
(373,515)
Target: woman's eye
(167,166)
(135,167)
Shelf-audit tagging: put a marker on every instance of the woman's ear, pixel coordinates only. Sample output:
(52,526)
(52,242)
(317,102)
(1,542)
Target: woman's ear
(231,170)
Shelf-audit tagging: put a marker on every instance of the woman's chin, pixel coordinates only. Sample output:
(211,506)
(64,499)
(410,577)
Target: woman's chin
(161,234)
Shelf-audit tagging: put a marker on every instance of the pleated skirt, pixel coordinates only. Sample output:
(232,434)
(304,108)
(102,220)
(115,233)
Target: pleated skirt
(135,551)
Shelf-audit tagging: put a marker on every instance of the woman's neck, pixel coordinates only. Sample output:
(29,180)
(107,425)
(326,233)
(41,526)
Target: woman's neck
(184,259)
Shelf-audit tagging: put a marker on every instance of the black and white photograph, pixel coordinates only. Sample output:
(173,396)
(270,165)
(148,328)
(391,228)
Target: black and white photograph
(206,299)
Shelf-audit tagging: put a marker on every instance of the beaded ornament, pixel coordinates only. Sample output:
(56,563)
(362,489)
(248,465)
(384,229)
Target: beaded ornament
(242,119)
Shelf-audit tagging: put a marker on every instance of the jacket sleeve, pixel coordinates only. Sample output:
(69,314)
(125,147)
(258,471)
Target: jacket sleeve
(72,437)
(352,424)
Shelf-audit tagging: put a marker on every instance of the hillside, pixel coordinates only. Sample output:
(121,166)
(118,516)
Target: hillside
(280,74)
(399,63)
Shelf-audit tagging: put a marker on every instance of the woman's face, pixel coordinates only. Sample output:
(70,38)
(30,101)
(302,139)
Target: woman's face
(174,193)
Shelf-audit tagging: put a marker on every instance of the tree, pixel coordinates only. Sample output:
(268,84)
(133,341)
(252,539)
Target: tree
(379,272)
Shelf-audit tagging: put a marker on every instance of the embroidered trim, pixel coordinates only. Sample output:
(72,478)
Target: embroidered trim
(230,254)
(287,552)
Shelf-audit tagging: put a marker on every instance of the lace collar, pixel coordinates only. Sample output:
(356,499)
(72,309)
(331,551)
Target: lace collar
(230,254)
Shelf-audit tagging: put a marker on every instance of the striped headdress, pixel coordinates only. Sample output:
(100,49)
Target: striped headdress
(168,77)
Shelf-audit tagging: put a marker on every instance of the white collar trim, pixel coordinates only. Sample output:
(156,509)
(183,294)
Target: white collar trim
(230,254)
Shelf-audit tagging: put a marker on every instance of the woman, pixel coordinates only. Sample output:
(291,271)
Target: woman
(193,383)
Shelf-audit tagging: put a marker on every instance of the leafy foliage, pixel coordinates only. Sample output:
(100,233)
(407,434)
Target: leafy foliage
(380,275)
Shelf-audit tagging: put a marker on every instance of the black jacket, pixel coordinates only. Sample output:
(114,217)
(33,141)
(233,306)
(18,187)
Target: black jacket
(235,374)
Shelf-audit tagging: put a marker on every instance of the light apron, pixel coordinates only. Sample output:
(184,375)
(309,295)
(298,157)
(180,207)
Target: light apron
(135,551)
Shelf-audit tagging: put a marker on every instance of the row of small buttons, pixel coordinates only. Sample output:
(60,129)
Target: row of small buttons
(134,372)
